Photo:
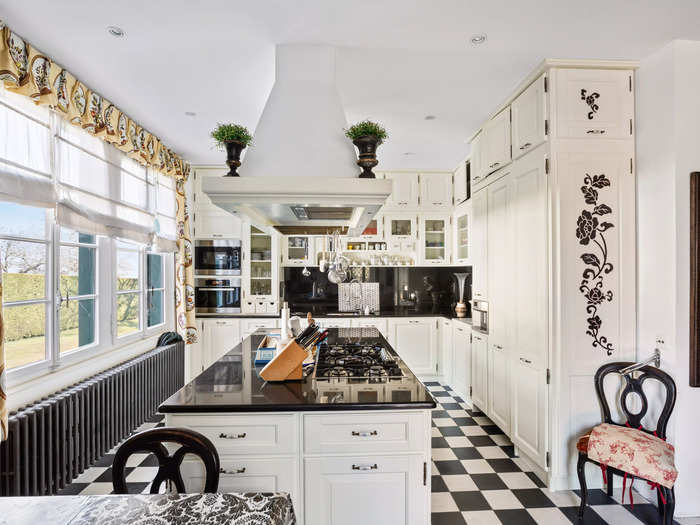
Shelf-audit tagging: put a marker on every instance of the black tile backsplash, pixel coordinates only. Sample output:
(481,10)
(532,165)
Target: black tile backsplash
(421,288)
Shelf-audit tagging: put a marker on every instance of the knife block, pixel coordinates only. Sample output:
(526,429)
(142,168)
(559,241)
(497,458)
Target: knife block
(286,365)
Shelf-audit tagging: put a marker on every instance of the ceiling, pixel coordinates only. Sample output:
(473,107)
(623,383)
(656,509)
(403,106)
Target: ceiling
(398,60)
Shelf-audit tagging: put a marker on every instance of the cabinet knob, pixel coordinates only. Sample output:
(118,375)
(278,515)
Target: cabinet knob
(525,146)
(232,436)
(364,433)
(494,164)
(527,361)
(595,131)
(498,346)
(365,467)
(222,470)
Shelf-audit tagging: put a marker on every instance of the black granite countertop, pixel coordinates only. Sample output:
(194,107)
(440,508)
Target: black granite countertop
(233,384)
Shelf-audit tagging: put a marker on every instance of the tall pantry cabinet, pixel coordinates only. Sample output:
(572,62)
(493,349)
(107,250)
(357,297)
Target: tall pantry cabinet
(554,219)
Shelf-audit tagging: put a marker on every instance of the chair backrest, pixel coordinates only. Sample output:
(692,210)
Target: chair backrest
(168,466)
(634,385)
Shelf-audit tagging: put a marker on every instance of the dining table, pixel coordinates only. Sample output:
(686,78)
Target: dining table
(141,509)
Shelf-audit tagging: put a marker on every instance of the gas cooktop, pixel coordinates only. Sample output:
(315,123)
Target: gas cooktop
(366,359)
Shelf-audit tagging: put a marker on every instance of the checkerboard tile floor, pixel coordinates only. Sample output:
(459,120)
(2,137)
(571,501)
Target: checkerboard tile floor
(476,478)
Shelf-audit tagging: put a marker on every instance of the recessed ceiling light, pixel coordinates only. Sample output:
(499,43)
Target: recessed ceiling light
(190,113)
(115,31)
(430,117)
(478,39)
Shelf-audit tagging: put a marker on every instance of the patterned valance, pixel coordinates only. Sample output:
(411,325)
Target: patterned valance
(26,70)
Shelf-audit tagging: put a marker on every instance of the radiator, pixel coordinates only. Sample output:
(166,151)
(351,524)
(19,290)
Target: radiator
(55,439)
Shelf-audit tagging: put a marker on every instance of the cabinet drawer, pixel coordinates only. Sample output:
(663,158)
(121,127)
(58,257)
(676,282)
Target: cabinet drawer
(245,434)
(249,326)
(245,475)
(364,433)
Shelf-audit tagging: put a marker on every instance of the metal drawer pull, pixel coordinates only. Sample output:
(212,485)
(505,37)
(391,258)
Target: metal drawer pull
(595,131)
(525,146)
(365,467)
(222,470)
(499,347)
(526,361)
(365,433)
(232,436)
(494,164)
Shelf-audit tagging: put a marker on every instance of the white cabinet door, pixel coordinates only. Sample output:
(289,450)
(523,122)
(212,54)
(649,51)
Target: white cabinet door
(215,223)
(478,171)
(401,230)
(461,234)
(414,341)
(221,336)
(379,324)
(335,322)
(434,237)
(462,357)
(365,489)
(496,142)
(404,195)
(248,326)
(529,418)
(435,191)
(479,245)
(480,350)
(593,103)
(529,113)
(498,388)
(460,181)
(446,363)
(499,260)
(298,250)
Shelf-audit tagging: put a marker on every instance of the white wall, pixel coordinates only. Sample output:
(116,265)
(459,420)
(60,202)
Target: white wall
(668,149)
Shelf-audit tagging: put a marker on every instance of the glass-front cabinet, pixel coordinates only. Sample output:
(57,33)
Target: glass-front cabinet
(298,250)
(462,224)
(434,238)
(401,231)
(260,271)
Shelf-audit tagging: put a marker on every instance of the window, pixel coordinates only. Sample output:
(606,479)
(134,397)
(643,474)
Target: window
(128,289)
(25,248)
(155,289)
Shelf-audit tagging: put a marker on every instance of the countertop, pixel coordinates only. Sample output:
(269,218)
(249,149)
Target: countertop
(144,509)
(233,384)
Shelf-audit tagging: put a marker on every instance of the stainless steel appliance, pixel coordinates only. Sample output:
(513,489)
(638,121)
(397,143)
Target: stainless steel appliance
(480,316)
(217,257)
(217,295)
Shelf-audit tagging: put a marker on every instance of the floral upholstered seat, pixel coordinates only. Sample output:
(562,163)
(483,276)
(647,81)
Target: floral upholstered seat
(634,451)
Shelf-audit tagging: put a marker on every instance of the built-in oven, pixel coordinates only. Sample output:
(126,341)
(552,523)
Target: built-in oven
(217,295)
(480,316)
(217,257)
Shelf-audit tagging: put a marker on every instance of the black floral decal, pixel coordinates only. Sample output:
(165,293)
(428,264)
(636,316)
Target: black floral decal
(590,231)
(591,100)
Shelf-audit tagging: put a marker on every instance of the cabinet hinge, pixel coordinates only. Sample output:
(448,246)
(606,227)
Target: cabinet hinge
(630,77)
(511,151)
(631,166)
(436,368)
(546,166)
(548,459)
(425,473)
(470,391)
(546,86)
(546,127)
(471,339)
(549,376)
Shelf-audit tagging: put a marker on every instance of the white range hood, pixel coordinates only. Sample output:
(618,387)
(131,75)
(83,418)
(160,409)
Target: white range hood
(300,175)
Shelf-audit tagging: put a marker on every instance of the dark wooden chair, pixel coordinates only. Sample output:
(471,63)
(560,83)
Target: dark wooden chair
(666,496)
(168,466)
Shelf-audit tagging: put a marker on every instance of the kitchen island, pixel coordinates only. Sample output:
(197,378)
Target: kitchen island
(350,443)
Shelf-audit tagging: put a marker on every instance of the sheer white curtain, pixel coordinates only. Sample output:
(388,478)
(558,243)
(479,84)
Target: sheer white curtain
(25,151)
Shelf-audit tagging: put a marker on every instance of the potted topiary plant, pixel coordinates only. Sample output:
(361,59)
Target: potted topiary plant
(367,136)
(234,138)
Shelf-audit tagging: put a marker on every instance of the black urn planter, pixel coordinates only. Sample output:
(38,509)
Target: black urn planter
(233,156)
(367,146)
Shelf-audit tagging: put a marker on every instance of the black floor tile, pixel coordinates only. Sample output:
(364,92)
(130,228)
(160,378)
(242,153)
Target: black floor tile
(589,516)
(73,489)
(431,383)
(532,498)
(481,441)
(492,429)
(439,442)
(503,465)
(598,497)
(447,518)
(136,488)
(451,431)
(515,517)
(437,484)
(440,393)
(439,414)
(466,453)
(450,467)
(470,500)
(488,482)
(450,406)
(464,421)
(537,481)
(449,389)
(149,461)
(509,450)
(106,476)
(458,399)
(105,461)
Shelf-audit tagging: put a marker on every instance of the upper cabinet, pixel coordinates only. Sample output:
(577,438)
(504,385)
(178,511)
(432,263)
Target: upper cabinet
(529,115)
(462,224)
(435,239)
(435,190)
(496,141)
(404,195)
(210,221)
(593,103)
(298,250)
(461,182)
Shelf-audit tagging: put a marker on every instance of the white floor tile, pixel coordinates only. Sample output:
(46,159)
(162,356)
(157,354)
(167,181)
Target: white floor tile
(517,480)
(523,464)
(444,422)
(458,441)
(562,498)
(616,515)
(501,440)
(142,474)
(100,488)
(502,499)
(481,517)
(442,502)
(477,466)
(435,432)
(433,470)
(443,454)
(90,475)
(474,430)
(492,452)
(459,483)
(549,516)
(135,460)
(483,420)
(458,413)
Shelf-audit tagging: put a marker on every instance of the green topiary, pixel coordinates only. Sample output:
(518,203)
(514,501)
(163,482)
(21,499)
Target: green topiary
(367,128)
(224,133)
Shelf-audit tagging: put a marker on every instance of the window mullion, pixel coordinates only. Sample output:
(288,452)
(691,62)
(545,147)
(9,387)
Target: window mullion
(53,275)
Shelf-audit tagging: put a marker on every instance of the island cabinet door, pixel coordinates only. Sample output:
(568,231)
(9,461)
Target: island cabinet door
(414,341)
(366,489)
